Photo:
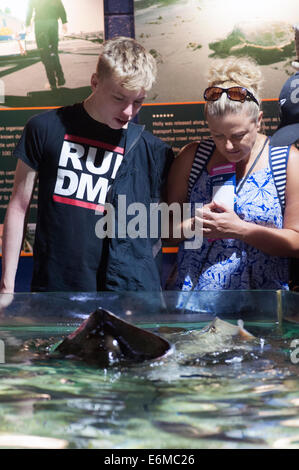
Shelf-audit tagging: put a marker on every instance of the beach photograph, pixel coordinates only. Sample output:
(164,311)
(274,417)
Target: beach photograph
(185,35)
(28,34)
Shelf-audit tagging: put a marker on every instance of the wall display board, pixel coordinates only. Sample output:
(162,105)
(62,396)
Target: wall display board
(31,82)
(181,123)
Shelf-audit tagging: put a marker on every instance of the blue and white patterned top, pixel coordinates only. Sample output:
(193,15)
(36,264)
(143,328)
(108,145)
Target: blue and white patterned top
(231,263)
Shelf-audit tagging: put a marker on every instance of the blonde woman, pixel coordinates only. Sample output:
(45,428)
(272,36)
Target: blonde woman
(246,246)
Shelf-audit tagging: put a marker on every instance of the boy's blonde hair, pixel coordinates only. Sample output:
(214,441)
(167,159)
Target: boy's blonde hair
(127,61)
(234,71)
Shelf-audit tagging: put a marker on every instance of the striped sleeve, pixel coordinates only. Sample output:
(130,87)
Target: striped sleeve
(278,163)
(203,153)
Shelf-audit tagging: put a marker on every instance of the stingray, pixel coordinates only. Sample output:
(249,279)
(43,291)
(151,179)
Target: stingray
(218,342)
(104,339)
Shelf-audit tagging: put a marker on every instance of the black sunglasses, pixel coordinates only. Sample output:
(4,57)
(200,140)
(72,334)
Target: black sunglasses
(234,93)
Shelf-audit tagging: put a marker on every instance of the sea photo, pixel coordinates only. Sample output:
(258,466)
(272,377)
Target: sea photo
(185,35)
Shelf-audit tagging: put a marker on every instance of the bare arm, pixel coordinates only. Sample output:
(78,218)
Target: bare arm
(14,222)
(273,241)
(177,187)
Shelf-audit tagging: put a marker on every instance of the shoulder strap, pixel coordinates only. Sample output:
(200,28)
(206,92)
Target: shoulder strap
(202,155)
(278,159)
(278,164)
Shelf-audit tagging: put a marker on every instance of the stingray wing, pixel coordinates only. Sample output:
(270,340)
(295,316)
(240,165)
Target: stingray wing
(104,334)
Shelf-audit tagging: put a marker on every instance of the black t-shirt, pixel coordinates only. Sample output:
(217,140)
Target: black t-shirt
(77,159)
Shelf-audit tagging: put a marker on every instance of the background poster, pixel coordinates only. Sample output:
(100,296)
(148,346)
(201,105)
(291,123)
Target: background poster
(186,35)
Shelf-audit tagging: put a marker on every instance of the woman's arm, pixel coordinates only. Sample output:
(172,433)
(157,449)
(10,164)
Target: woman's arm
(14,223)
(177,190)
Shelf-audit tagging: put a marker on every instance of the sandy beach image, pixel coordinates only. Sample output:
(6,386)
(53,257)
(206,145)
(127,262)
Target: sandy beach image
(185,35)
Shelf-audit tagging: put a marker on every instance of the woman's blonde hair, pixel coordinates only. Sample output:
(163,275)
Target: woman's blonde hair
(234,71)
(127,61)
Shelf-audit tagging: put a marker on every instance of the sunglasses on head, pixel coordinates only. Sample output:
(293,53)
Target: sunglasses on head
(234,93)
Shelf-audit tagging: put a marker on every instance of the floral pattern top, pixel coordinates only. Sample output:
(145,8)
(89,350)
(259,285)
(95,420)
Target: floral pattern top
(231,263)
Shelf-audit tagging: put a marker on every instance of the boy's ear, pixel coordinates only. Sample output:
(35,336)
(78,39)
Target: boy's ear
(94,81)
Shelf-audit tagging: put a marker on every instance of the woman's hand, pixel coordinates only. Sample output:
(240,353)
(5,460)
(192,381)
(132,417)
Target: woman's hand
(219,222)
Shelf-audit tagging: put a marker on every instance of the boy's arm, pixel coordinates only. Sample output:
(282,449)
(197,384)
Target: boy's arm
(25,178)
